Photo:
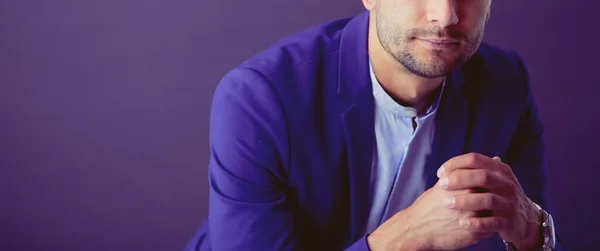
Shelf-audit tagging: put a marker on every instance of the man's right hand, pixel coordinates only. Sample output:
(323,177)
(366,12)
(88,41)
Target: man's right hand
(428,224)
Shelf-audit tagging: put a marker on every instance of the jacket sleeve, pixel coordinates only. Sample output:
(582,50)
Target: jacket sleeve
(527,153)
(248,139)
(249,208)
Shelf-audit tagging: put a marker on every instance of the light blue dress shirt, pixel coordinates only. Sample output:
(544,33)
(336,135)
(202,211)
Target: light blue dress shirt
(400,152)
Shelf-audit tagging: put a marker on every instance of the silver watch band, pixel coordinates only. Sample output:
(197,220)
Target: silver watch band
(547,228)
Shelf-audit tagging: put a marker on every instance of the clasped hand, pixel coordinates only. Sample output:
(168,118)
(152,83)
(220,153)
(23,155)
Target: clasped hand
(475,197)
(496,193)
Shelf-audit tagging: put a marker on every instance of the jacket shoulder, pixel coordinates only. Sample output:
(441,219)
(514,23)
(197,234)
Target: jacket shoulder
(497,72)
(492,59)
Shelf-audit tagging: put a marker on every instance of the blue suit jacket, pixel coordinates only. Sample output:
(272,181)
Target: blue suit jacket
(292,133)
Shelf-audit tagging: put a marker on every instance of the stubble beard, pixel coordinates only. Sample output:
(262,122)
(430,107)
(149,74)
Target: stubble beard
(396,43)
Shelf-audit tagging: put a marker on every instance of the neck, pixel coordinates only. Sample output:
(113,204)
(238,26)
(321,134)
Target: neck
(406,88)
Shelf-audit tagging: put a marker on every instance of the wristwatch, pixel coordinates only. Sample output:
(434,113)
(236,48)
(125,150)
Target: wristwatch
(547,230)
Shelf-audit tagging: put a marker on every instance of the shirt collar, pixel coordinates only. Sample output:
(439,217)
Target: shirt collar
(386,102)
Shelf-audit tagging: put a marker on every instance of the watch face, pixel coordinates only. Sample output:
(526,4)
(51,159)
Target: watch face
(550,232)
(548,226)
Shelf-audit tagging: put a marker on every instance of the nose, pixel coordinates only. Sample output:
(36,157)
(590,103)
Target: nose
(442,12)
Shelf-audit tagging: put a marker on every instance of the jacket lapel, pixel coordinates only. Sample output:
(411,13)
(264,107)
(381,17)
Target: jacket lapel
(451,126)
(359,133)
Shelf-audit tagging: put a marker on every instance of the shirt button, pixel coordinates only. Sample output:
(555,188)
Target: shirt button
(410,113)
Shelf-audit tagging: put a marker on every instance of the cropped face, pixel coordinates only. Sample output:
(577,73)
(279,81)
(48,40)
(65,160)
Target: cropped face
(430,38)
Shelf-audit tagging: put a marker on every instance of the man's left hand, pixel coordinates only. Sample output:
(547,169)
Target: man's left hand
(513,215)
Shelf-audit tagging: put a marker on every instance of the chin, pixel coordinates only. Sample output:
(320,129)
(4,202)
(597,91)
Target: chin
(432,67)
(427,62)
(439,62)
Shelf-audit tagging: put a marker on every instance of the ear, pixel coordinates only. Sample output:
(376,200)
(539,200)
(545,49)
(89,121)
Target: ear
(369,4)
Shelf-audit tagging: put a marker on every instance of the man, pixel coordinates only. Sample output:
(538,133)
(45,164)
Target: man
(394,130)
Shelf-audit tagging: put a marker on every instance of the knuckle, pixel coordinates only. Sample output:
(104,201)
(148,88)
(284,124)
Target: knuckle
(482,177)
(454,179)
(465,214)
(451,179)
(458,201)
(494,201)
(472,158)
(475,224)
(504,167)
(488,201)
(484,224)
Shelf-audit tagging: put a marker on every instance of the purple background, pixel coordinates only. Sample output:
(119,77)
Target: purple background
(104,109)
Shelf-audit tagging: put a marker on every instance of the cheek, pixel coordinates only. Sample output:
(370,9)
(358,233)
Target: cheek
(470,24)
(403,11)
(472,12)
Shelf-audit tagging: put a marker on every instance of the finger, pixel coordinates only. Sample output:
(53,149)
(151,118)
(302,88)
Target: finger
(487,224)
(467,214)
(472,178)
(477,202)
(469,161)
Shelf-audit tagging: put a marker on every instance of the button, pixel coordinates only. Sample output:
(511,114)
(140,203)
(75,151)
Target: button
(410,112)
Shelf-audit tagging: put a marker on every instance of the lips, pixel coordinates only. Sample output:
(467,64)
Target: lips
(441,41)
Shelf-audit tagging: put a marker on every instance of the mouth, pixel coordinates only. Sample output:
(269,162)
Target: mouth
(439,43)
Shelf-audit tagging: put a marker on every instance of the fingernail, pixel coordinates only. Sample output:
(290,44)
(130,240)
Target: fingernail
(440,172)
(444,182)
(450,201)
(497,158)
(463,223)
